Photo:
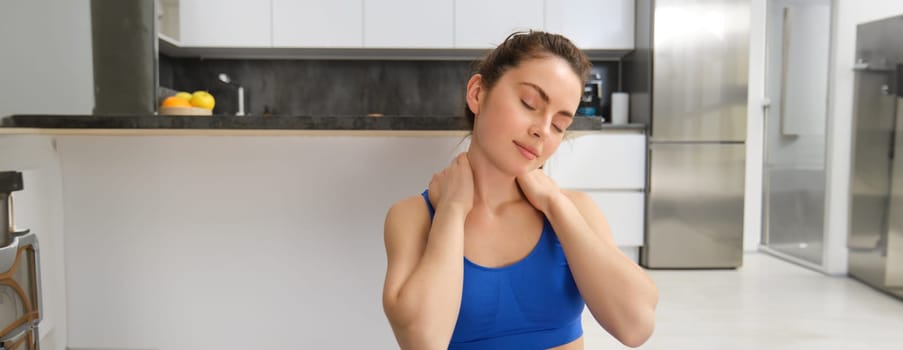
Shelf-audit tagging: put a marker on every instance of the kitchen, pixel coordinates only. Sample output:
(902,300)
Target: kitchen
(160,191)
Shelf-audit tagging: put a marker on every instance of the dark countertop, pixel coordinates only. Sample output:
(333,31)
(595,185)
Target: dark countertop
(222,122)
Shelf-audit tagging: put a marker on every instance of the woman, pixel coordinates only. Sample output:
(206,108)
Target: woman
(494,255)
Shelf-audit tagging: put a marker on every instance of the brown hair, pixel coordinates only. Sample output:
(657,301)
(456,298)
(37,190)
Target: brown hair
(521,46)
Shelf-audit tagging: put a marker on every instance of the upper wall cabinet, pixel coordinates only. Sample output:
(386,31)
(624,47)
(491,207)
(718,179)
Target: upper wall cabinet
(593,24)
(393,24)
(225,23)
(317,23)
(408,23)
(485,24)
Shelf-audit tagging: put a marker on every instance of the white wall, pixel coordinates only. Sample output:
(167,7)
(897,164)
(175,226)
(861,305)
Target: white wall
(45,67)
(39,207)
(45,57)
(848,14)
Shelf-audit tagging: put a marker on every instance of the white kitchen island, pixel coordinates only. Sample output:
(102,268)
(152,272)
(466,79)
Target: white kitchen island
(270,239)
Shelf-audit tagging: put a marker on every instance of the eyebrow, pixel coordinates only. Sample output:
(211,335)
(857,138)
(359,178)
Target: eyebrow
(545,97)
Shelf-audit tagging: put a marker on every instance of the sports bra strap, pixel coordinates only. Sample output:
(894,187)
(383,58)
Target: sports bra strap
(426,197)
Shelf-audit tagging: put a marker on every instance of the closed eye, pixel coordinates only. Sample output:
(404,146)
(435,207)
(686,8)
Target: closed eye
(528,106)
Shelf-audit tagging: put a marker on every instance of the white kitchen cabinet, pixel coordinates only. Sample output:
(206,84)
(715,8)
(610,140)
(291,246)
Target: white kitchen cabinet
(408,23)
(625,212)
(611,168)
(485,24)
(152,252)
(600,161)
(168,18)
(400,24)
(225,23)
(593,24)
(315,23)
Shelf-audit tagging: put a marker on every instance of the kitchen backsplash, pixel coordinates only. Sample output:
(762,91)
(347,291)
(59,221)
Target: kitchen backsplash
(336,87)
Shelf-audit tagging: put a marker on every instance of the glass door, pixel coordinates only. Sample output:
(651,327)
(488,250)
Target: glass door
(798,50)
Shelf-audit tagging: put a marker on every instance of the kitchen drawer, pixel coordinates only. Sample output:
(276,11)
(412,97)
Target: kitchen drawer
(625,212)
(600,162)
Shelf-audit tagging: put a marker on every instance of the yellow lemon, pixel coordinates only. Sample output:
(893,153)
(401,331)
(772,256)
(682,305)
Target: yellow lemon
(184,95)
(202,99)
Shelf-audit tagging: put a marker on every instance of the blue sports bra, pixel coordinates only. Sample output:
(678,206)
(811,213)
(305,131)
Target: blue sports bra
(531,304)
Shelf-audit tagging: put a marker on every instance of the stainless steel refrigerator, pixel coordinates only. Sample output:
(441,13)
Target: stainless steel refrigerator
(691,69)
(875,241)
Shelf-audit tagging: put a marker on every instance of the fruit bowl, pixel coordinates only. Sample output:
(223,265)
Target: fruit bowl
(185,111)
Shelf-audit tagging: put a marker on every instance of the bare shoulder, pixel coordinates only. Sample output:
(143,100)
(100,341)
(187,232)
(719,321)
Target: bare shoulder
(407,227)
(407,220)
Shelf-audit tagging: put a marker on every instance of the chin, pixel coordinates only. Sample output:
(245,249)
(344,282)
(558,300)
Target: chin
(521,168)
(515,164)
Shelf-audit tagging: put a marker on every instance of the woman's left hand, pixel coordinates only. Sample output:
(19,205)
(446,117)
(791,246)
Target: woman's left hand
(539,189)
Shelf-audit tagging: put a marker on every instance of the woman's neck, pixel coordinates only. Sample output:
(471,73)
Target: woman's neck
(493,189)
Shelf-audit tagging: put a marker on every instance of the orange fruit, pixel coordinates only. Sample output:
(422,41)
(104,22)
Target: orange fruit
(173,101)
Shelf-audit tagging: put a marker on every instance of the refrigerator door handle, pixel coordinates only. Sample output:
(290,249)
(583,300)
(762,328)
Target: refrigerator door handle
(648,167)
(862,65)
(879,246)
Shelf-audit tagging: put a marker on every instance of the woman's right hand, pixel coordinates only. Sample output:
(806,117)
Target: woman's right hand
(453,186)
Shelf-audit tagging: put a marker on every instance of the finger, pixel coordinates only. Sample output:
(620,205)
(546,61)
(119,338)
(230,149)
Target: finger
(463,161)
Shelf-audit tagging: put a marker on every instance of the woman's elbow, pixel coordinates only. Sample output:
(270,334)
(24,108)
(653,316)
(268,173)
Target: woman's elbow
(417,337)
(636,338)
(638,333)
(412,333)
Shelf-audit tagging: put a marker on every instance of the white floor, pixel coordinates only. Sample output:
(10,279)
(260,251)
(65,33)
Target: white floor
(766,304)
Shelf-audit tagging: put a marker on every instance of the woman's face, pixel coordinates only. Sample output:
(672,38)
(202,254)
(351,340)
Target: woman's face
(521,121)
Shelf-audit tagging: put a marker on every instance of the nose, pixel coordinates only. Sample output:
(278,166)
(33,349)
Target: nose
(535,131)
(540,129)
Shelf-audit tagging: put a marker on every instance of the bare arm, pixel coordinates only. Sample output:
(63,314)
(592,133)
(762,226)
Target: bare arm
(422,292)
(425,274)
(619,294)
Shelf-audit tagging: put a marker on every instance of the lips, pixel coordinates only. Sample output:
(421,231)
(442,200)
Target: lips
(527,151)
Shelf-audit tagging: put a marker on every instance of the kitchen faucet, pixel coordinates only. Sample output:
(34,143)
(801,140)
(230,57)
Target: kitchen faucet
(223,77)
